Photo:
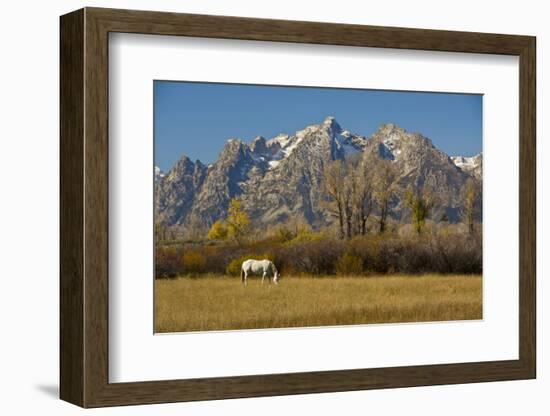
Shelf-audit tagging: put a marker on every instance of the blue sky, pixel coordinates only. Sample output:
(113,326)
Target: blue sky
(196,119)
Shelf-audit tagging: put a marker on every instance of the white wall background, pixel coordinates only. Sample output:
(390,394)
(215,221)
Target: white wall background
(29,158)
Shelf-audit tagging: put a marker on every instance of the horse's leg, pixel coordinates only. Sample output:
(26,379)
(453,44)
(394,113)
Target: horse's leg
(263,277)
(245,278)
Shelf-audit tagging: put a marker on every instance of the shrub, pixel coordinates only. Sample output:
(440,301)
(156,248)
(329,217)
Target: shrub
(218,231)
(313,257)
(193,262)
(349,264)
(284,234)
(216,258)
(458,253)
(166,262)
(234,267)
(304,236)
(442,249)
(370,250)
(439,252)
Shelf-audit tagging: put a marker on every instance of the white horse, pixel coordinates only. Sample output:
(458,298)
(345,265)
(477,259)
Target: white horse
(252,266)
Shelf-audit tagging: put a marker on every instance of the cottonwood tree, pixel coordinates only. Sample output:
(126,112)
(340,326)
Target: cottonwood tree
(334,186)
(470,195)
(236,225)
(160,233)
(384,187)
(349,190)
(348,185)
(362,198)
(238,221)
(420,202)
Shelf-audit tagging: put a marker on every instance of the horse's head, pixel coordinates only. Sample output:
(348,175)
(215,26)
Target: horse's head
(276,278)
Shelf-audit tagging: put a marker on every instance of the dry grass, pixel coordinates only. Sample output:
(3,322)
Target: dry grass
(222,303)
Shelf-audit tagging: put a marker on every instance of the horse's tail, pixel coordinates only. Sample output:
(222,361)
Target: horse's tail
(242,275)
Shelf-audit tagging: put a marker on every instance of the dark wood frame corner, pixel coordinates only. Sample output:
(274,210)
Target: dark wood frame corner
(84,207)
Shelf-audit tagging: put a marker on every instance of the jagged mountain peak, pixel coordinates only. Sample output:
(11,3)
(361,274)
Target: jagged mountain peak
(175,191)
(395,142)
(234,143)
(342,142)
(258,139)
(184,165)
(389,128)
(330,120)
(235,151)
(280,139)
(259,145)
(184,159)
(331,124)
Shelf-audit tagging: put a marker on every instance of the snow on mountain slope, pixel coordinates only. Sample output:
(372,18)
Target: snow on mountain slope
(159,174)
(283,145)
(471,165)
(466,163)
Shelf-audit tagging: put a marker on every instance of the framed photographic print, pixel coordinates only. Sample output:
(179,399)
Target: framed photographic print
(255,207)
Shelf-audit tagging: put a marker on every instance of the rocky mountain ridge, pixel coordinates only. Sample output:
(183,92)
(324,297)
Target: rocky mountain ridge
(281,178)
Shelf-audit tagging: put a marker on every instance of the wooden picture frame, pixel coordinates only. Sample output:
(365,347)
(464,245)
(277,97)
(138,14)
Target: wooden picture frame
(84,207)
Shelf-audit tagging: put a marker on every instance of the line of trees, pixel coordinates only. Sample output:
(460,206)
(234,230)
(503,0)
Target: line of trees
(357,188)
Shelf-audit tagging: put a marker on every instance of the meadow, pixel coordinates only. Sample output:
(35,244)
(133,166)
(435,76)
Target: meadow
(220,302)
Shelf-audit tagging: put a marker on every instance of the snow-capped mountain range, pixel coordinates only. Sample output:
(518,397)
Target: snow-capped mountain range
(281,177)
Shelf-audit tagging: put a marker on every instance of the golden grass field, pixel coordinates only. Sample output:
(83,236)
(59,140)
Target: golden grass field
(222,303)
